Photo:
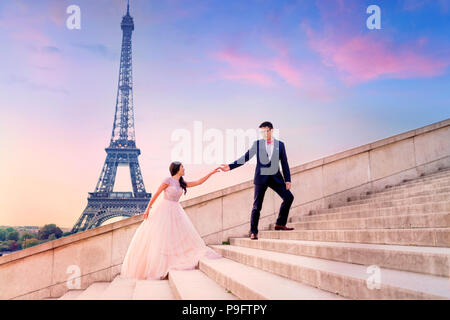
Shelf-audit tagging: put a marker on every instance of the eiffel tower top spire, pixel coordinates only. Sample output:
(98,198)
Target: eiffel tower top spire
(127,20)
(123,134)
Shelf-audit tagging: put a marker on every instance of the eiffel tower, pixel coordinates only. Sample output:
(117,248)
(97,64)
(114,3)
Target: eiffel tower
(103,203)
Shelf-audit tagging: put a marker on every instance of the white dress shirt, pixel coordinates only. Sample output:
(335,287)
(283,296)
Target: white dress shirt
(269,148)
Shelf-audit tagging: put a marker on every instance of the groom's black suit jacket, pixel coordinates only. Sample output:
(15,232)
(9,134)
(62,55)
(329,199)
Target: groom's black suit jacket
(264,167)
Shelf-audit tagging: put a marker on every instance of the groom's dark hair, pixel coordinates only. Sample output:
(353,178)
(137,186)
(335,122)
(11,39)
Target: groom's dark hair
(266,124)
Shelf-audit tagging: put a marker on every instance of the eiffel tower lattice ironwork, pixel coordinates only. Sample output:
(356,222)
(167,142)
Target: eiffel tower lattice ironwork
(103,203)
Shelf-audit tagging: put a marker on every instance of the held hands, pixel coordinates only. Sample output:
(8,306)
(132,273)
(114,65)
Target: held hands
(215,170)
(288,185)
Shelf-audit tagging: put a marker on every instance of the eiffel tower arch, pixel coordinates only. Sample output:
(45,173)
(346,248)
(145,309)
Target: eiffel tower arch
(104,204)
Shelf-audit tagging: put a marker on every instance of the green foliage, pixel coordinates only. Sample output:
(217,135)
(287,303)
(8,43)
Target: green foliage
(4,246)
(27,235)
(13,235)
(47,230)
(29,243)
(2,235)
(10,245)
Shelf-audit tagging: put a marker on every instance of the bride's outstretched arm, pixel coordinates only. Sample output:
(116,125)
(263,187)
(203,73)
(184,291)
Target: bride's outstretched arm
(154,197)
(201,180)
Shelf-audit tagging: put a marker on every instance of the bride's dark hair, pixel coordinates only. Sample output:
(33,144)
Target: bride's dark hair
(173,168)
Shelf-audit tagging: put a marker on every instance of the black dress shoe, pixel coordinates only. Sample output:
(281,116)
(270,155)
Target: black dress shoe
(278,227)
(254,236)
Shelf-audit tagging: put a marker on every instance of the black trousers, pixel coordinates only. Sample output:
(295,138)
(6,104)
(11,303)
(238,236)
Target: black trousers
(280,189)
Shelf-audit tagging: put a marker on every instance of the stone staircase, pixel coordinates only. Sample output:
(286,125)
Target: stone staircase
(398,238)
(182,284)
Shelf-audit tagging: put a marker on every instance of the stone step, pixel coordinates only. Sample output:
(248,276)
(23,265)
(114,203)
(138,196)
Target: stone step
(119,289)
(427,260)
(71,294)
(428,220)
(346,279)
(387,203)
(440,170)
(433,207)
(419,186)
(93,291)
(195,285)
(426,190)
(430,237)
(249,283)
(425,179)
(438,173)
(388,197)
(406,189)
(153,290)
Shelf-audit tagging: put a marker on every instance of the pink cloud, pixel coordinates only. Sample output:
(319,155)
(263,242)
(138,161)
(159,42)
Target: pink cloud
(241,67)
(41,59)
(269,71)
(361,58)
(31,36)
(289,73)
(254,69)
(57,12)
(236,59)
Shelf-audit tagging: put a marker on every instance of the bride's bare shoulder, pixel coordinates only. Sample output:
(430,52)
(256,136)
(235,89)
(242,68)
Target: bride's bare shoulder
(166,180)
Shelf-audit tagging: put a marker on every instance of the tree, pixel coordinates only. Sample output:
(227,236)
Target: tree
(4,246)
(51,237)
(47,230)
(26,235)
(14,235)
(12,245)
(29,243)
(2,235)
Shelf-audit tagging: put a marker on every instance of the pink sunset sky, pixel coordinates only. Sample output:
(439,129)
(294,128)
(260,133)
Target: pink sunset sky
(312,68)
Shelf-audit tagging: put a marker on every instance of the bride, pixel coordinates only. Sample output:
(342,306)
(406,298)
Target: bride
(166,238)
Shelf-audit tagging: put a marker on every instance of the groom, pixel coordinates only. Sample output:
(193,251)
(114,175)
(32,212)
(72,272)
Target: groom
(268,152)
